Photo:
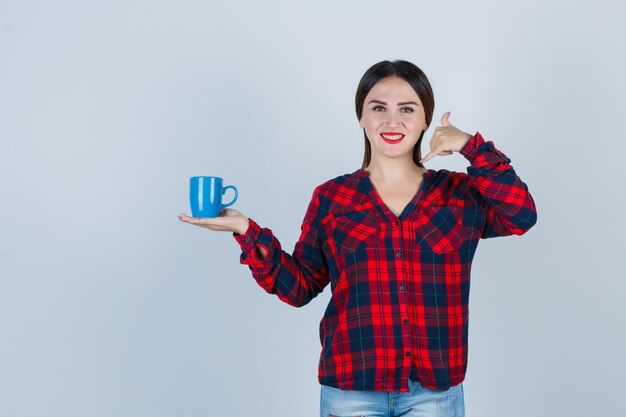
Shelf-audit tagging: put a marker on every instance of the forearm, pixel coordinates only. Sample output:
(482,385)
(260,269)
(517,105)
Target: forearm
(261,252)
(508,204)
(295,279)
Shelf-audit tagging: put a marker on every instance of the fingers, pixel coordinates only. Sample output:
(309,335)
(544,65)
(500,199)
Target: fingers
(437,145)
(212,223)
(438,151)
(433,141)
(183,217)
(432,154)
(427,157)
(444,119)
(198,221)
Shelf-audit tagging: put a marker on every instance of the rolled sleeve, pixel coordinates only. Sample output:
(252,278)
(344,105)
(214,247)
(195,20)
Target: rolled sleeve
(249,242)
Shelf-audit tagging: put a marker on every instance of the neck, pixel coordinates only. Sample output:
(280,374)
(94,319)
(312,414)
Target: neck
(393,170)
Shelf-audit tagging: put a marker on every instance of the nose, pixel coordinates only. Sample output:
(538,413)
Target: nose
(392,119)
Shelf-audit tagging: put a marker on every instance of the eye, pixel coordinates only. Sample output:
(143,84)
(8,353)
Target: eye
(410,110)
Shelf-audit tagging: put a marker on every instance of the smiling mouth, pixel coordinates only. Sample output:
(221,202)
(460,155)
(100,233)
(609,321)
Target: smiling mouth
(392,138)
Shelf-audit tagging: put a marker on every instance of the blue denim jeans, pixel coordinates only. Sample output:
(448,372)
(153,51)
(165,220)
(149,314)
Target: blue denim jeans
(419,402)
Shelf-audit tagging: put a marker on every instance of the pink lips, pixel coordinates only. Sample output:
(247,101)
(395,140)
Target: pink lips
(392,141)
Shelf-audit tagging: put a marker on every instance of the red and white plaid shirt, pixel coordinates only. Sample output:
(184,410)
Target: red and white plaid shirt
(400,285)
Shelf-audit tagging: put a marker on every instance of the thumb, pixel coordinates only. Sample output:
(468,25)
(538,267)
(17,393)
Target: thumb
(444,119)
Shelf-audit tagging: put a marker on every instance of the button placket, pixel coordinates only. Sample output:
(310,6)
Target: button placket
(399,249)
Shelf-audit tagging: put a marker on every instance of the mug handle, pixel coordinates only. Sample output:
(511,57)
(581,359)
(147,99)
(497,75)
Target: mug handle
(234,199)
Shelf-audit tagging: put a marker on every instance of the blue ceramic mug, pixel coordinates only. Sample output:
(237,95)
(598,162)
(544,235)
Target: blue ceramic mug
(205,196)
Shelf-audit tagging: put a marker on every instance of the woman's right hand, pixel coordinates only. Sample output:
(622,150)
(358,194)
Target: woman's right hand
(229,220)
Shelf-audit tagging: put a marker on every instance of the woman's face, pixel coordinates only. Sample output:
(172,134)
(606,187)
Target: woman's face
(393,118)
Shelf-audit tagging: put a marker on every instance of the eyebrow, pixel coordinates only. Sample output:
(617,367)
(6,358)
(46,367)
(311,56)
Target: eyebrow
(399,104)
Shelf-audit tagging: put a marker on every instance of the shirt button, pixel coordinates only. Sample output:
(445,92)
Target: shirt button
(398,254)
(401,287)
(406,321)
(248,239)
(407,354)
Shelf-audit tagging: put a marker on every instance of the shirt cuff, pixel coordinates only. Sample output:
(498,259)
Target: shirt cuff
(249,242)
(470,149)
(251,235)
(483,153)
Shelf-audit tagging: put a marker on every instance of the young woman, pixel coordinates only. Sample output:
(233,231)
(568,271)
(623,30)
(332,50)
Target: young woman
(395,241)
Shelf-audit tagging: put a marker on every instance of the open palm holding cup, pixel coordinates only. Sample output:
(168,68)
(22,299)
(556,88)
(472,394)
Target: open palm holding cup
(228,220)
(207,208)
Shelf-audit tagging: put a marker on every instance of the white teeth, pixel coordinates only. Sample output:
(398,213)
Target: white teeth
(392,137)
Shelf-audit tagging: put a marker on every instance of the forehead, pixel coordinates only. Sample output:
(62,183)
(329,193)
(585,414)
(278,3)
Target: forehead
(392,89)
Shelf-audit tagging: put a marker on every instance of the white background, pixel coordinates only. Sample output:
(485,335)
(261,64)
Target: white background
(110,306)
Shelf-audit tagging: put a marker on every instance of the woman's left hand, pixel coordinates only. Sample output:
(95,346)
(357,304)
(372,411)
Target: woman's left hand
(446,139)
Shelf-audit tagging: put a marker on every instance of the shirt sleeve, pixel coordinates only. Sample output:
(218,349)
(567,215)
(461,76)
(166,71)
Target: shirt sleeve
(508,206)
(297,278)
